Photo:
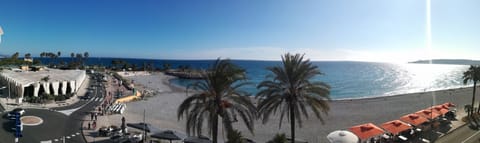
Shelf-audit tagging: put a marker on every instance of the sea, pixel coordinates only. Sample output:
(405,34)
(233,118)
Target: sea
(348,79)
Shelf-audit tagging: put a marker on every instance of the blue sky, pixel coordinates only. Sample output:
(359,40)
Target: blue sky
(367,30)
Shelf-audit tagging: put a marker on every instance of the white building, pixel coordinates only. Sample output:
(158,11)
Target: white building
(29,83)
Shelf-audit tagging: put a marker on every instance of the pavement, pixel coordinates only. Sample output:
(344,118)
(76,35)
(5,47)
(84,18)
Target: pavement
(106,120)
(62,120)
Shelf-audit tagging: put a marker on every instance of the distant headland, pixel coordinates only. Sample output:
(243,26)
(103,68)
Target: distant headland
(448,61)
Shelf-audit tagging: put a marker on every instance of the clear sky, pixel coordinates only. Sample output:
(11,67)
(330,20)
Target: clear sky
(367,30)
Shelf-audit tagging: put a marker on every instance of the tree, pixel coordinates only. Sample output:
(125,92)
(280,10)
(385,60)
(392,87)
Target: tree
(235,137)
(279,138)
(289,91)
(472,74)
(28,56)
(218,96)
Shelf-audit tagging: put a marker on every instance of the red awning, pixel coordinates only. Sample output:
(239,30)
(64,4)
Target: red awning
(427,114)
(366,131)
(414,119)
(395,126)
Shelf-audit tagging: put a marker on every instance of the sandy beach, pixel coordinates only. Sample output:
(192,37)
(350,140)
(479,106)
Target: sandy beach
(161,110)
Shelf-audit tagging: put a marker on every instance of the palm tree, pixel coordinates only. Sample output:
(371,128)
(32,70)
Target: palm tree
(289,91)
(472,74)
(218,96)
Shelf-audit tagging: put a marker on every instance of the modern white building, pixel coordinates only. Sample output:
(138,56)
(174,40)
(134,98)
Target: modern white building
(22,83)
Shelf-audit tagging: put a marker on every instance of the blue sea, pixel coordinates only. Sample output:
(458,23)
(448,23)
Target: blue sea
(348,80)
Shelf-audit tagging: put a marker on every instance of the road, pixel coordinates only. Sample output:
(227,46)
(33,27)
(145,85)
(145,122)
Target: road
(56,125)
(464,134)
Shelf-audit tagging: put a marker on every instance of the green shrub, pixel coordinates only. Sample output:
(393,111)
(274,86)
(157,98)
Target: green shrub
(279,138)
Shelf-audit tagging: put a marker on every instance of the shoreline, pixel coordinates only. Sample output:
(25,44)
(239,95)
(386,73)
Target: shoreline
(162,110)
(182,88)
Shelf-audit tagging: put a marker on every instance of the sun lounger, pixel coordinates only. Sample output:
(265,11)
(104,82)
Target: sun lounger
(425,140)
(402,138)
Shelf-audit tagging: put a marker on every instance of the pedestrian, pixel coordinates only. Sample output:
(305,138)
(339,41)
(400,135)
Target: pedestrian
(89,125)
(95,117)
(94,124)
(91,116)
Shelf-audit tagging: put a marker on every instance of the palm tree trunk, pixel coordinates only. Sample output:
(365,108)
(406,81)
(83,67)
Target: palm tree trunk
(473,97)
(215,129)
(292,122)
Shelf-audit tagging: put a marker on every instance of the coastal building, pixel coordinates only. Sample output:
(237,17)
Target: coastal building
(22,83)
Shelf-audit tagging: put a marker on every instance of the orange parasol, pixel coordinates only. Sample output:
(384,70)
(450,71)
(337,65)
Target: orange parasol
(366,131)
(427,114)
(414,119)
(438,109)
(395,126)
(449,104)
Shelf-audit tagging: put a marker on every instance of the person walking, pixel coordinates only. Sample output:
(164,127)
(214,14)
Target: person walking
(89,125)
(91,116)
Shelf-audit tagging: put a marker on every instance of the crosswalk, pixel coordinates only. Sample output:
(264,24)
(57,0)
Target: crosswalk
(60,139)
(96,99)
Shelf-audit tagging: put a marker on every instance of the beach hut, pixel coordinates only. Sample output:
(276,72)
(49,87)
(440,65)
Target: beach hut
(427,114)
(366,131)
(342,136)
(414,119)
(395,127)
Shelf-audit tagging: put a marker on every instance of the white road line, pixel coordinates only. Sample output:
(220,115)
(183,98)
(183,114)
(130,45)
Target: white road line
(73,135)
(77,133)
(49,141)
(470,137)
(55,140)
(68,137)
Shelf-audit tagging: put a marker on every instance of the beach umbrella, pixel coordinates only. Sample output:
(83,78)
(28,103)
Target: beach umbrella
(366,131)
(342,136)
(414,119)
(144,126)
(427,114)
(169,135)
(200,139)
(395,126)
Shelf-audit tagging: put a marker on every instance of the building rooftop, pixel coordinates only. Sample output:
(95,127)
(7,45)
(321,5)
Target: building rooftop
(28,77)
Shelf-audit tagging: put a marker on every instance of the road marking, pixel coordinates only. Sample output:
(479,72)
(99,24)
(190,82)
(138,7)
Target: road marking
(77,133)
(73,135)
(68,137)
(470,137)
(49,141)
(55,140)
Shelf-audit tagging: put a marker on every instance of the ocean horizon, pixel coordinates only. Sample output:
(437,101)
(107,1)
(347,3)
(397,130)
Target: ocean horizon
(348,79)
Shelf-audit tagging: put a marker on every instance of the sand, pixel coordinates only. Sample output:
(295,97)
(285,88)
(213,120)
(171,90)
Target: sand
(161,110)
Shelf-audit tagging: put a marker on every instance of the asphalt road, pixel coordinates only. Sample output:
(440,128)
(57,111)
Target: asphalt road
(464,134)
(55,125)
